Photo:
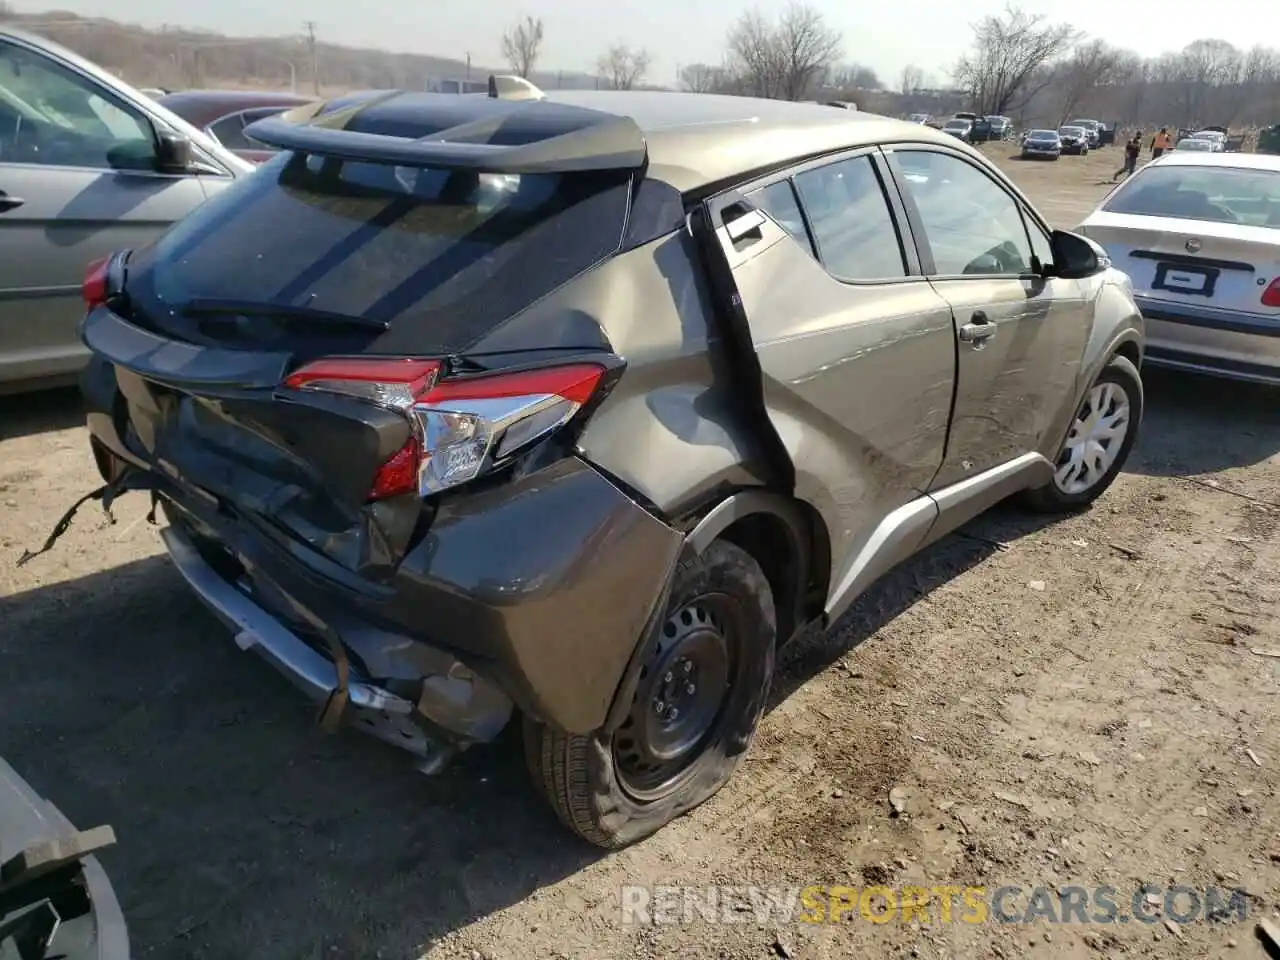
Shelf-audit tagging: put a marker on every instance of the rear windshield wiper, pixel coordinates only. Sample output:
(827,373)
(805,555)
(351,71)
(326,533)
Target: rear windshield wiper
(251,308)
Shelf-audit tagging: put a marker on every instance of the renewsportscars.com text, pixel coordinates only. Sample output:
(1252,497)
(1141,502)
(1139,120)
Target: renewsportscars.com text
(943,904)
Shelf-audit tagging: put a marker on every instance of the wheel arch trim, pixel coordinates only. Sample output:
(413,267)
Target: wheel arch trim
(717,520)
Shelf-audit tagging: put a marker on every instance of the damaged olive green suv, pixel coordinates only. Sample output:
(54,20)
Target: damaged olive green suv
(578,406)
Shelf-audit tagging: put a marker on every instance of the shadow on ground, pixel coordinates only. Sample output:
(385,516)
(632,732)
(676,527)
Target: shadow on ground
(1197,425)
(244,831)
(27,414)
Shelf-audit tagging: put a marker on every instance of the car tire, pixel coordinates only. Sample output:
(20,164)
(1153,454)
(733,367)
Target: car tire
(1126,385)
(596,782)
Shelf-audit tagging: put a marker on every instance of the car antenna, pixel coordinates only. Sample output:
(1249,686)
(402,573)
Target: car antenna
(510,87)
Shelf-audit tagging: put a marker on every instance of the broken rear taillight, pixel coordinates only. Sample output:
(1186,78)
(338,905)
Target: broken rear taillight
(461,427)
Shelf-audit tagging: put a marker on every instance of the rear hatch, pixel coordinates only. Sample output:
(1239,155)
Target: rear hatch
(1198,236)
(394,235)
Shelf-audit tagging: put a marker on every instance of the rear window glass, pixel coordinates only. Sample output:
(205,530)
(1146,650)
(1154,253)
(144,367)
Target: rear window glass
(449,254)
(1190,192)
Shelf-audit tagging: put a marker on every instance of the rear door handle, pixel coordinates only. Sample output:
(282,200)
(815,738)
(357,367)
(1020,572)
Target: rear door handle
(979,329)
(9,203)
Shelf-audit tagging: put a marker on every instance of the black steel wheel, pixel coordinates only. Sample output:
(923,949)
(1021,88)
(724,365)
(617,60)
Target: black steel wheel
(680,697)
(699,695)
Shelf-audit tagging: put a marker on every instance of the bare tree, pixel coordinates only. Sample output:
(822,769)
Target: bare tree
(1202,66)
(521,45)
(622,68)
(785,59)
(1091,65)
(911,80)
(755,56)
(703,78)
(1009,61)
(855,76)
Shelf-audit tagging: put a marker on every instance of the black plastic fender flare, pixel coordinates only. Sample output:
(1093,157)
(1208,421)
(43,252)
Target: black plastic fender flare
(717,520)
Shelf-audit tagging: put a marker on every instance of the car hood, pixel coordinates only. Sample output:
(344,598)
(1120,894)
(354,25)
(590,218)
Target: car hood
(85,931)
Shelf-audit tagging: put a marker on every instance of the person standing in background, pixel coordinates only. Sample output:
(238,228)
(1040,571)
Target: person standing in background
(1160,143)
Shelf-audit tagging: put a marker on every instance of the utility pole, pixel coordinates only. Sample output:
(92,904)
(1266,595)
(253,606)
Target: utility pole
(311,48)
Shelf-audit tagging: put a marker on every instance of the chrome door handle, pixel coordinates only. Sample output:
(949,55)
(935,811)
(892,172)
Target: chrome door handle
(9,203)
(980,329)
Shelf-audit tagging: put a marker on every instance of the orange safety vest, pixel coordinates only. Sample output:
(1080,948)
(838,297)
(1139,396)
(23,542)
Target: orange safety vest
(1163,141)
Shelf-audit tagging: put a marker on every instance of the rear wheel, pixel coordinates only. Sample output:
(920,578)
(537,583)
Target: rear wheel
(1098,443)
(699,698)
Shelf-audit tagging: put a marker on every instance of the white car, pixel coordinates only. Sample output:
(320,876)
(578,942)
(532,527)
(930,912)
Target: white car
(1216,137)
(1197,143)
(1198,233)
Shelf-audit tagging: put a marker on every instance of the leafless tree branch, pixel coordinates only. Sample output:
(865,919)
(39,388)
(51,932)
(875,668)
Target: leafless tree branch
(521,45)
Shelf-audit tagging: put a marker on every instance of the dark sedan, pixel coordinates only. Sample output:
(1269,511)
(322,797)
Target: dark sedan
(223,114)
(1075,140)
(1042,144)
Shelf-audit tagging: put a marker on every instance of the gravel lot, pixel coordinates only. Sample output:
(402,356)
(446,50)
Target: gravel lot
(1067,703)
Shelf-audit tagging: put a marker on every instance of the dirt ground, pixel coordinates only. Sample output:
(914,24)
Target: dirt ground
(1067,703)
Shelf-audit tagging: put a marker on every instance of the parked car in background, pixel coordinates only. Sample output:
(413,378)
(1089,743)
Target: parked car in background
(87,165)
(471,479)
(1199,234)
(980,131)
(959,128)
(1107,134)
(1074,140)
(223,115)
(1218,139)
(1001,127)
(1041,145)
(1197,144)
(922,118)
(1092,128)
(1269,140)
(964,115)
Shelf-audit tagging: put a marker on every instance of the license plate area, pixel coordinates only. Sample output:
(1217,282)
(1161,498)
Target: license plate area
(1187,280)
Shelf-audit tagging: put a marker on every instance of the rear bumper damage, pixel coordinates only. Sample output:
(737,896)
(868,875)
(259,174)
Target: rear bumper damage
(530,594)
(369,707)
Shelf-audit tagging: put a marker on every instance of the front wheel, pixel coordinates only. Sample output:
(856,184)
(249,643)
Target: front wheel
(699,698)
(1097,445)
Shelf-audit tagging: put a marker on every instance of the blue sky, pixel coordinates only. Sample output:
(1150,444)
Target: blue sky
(929,33)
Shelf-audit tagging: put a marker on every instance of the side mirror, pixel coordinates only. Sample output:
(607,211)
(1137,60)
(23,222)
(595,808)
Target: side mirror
(173,152)
(1076,257)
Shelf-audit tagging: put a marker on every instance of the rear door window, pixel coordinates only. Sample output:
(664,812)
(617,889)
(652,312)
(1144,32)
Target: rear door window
(230,131)
(778,200)
(448,253)
(855,232)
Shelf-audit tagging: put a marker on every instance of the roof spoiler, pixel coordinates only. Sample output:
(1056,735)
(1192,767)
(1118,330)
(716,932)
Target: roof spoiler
(603,142)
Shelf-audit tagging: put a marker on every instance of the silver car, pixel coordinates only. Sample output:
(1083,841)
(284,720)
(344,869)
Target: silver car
(87,165)
(1199,234)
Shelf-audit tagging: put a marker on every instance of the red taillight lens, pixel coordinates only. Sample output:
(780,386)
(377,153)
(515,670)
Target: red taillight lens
(460,427)
(389,383)
(96,287)
(1271,296)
